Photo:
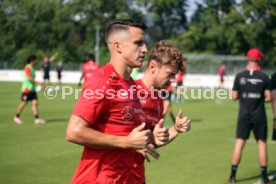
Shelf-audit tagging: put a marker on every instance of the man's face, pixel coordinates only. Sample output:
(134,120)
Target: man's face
(46,59)
(33,63)
(133,47)
(164,76)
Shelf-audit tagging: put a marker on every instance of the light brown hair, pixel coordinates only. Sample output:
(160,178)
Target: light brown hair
(166,53)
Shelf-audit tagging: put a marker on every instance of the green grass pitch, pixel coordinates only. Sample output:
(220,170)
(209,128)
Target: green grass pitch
(39,154)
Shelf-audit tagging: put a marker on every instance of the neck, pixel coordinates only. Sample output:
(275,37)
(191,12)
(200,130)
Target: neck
(120,67)
(252,65)
(147,79)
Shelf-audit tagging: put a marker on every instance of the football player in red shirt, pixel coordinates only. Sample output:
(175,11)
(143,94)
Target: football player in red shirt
(89,67)
(165,60)
(180,81)
(105,121)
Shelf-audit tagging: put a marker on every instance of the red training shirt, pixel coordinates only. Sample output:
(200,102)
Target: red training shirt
(152,105)
(89,68)
(112,112)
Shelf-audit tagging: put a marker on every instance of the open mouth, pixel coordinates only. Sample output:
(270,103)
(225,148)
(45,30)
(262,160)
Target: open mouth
(142,57)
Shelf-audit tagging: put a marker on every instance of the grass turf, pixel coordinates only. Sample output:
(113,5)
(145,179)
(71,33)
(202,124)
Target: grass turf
(39,154)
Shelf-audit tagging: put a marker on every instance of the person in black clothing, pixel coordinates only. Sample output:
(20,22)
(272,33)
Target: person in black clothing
(59,68)
(46,67)
(252,89)
(273,88)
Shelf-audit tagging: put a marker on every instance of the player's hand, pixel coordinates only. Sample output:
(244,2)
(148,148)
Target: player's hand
(138,138)
(161,134)
(182,124)
(149,150)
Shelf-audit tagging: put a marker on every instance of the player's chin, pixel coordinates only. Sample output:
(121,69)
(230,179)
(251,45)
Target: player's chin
(139,62)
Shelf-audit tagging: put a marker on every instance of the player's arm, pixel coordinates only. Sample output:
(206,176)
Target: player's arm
(235,95)
(267,96)
(182,124)
(82,75)
(79,132)
(236,88)
(163,136)
(273,100)
(53,57)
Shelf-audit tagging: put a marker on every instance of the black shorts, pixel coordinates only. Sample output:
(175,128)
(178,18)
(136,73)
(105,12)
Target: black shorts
(59,74)
(46,76)
(29,96)
(179,83)
(166,95)
(259,130)
(221,79)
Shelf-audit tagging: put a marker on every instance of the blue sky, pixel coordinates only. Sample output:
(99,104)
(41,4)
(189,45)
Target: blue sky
(192,7)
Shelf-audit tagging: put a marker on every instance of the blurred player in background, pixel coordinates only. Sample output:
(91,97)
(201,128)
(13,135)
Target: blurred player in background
(252,89)
(89,67)
(59,68)
(273,92)
(29,92)
(180,81)
(110,128)
(46,68)
(222,73)
(168,102)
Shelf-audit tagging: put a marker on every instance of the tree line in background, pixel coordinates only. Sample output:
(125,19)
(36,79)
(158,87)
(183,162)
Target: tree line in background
(68,27)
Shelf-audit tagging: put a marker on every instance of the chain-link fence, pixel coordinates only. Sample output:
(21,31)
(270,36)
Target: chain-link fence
(196,64)
(66,66)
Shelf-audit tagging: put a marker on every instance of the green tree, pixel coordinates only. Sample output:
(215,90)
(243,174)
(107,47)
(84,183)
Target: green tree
(225,27)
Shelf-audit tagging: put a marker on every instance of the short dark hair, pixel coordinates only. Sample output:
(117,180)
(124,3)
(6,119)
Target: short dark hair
(91,56)
(31,58)
(122,24)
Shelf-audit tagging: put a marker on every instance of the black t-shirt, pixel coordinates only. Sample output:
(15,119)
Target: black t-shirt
(59,68)
(46,67)
(273,81)
(251,86)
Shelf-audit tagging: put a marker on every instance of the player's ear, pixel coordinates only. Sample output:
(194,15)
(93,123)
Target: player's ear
(118,47)
(152,66)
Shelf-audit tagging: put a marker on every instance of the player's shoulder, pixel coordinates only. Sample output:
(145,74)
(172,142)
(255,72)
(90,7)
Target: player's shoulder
(242,73)
(27,67)
(95,64)
(105,72)
(262,74)
(139,82)
(103,76)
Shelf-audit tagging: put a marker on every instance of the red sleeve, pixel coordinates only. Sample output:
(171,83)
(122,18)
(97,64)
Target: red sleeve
(27,71)
(92,103)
